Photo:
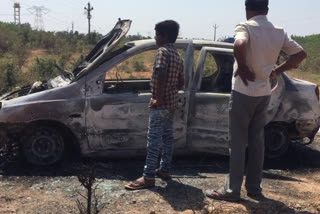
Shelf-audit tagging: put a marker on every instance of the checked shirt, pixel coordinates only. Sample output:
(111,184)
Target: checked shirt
(168,60)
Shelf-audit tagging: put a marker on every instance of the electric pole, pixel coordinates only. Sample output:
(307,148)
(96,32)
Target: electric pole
(16,7)
(38,11)
(89,16)
(215,31)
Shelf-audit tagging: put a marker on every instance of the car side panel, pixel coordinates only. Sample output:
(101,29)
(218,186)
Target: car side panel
(64,105)
(117,121)
(209,122)
(300,106)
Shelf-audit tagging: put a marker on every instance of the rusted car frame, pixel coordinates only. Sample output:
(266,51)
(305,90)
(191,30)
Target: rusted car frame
(95,117)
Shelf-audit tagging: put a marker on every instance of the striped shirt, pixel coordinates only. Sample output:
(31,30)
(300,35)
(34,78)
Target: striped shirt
(169,60)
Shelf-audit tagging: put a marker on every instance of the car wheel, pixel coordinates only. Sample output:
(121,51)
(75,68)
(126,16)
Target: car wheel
(276,141)
(43,146)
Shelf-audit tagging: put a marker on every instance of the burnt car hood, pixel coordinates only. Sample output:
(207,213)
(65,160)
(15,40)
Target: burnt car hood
(102,49)
(96,57)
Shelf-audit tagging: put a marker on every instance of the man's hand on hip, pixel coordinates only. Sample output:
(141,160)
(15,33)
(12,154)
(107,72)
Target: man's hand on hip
(155,103)
(245,74)
(240,53)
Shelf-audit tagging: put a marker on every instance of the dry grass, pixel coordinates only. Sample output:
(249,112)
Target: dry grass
(127,70)
(308,76)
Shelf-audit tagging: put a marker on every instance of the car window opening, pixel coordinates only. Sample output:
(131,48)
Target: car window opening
(133,74)
(218,71)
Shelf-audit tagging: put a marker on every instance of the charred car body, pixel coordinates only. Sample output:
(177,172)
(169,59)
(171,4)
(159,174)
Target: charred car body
(83,111)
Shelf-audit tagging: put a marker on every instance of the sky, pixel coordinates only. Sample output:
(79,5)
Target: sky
(196,18)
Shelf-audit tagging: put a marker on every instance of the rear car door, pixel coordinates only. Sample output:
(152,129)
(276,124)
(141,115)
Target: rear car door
(209,102)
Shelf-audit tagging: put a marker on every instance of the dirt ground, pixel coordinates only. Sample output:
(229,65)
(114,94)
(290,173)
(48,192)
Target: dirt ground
(291,184)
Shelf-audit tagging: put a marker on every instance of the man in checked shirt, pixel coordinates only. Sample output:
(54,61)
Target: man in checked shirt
(167,79)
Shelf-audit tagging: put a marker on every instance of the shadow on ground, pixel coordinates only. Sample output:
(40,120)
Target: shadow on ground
(297,157)
(269,205)
(181,196)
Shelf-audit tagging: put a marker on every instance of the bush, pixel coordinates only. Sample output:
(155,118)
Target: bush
(10,78)
(139,66)
(312,47)
(76,62)
(64,60)
(11,75)
(43,69)
(21,52)
(123,67)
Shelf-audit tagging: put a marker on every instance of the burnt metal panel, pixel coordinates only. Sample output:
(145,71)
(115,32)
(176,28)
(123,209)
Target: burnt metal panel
(58,104)
(209,123)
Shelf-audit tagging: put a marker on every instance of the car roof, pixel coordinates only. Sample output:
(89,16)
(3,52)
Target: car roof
(197,44)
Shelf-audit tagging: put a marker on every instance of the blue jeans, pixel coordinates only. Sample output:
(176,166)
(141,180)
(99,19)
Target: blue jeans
(160,136)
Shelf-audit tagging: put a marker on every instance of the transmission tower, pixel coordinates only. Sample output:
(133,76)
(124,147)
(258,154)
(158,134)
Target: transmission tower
(38,12)
(89,16)
(16,7)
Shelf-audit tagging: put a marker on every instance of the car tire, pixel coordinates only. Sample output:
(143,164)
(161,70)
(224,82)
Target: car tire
(276,141)
(43,146)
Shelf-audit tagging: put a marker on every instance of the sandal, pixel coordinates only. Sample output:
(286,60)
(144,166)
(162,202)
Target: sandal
(221,194)
(140,183)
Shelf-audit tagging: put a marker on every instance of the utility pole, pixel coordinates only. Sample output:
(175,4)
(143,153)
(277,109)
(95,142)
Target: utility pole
(16,7)
(72,27)
(38,11)
(89,16)
(215,31)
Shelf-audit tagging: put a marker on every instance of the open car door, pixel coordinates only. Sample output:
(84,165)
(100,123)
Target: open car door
(209,119)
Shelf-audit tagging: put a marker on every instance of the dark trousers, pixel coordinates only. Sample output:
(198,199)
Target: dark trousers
(247,118)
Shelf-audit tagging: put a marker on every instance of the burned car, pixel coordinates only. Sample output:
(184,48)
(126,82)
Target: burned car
(84,111)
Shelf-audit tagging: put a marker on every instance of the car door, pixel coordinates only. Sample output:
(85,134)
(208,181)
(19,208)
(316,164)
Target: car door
(209,105)
(118,119)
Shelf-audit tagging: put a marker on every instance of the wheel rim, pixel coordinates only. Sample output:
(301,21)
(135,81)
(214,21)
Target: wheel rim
(276,141)
(44,147)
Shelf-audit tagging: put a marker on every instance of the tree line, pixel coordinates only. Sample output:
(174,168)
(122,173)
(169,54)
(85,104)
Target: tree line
(66,49)
(58,48)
